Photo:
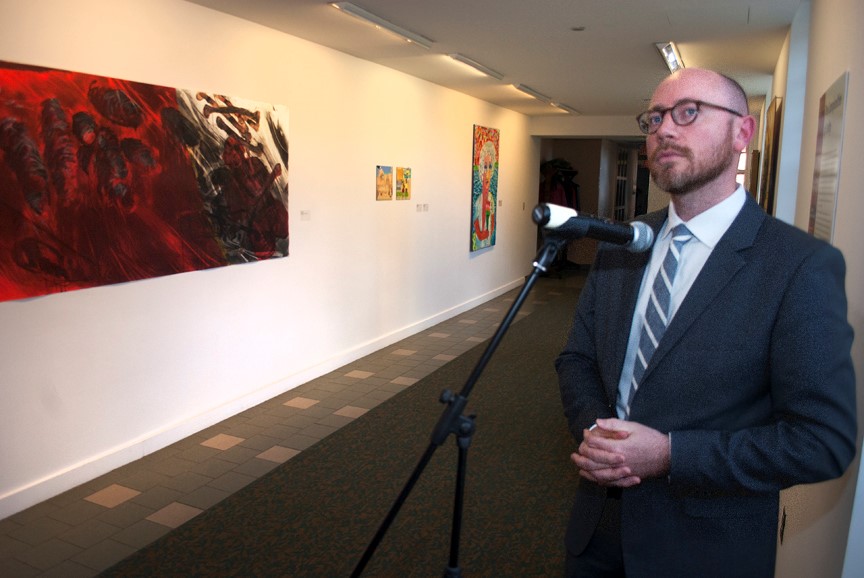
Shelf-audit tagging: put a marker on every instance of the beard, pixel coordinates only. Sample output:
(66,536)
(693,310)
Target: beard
(694,175)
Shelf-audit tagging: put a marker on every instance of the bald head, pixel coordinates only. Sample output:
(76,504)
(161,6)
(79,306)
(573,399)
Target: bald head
(706,85)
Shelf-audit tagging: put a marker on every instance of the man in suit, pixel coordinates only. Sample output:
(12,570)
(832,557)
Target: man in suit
(688,430)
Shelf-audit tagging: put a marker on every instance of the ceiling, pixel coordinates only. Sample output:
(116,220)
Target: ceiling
(596,56)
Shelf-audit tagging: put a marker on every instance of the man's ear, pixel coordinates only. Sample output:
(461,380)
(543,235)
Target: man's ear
(745,131)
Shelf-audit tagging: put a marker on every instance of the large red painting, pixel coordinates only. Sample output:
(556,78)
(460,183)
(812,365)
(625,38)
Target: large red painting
(104,181)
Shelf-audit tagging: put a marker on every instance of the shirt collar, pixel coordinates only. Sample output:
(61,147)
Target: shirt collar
(709,226)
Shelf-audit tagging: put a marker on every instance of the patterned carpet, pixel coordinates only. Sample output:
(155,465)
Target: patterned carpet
(315,515)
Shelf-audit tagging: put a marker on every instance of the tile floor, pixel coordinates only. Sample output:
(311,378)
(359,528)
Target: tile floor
(89,528)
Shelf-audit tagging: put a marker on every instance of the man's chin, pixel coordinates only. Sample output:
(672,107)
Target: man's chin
(667,183)
(673,187)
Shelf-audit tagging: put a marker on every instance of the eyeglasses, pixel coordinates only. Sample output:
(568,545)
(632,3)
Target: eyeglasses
(683,113)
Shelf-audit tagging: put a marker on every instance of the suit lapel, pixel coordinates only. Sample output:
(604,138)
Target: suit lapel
(725,261)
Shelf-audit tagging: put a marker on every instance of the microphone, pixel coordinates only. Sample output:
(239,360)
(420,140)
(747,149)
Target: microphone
(636,236)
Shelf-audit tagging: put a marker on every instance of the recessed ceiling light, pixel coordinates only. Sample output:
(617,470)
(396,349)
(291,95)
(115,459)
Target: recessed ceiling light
(670,55)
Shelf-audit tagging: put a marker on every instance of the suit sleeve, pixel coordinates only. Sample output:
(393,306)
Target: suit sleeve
(583,394)
(811,435)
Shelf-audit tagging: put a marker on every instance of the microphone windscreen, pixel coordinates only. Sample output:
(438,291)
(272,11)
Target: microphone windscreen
(559,215)
(643,237)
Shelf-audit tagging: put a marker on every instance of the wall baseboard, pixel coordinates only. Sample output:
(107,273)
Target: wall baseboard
(21,498)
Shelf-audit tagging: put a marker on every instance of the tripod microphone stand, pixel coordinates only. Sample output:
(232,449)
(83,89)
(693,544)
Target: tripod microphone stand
(452,421)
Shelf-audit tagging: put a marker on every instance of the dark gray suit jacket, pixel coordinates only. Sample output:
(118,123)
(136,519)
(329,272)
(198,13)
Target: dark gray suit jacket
(753,378)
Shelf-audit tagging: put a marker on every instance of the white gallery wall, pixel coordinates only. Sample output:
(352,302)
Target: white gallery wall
(92,379)
(818,543)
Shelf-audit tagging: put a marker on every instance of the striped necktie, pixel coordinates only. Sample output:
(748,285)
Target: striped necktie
(657,310)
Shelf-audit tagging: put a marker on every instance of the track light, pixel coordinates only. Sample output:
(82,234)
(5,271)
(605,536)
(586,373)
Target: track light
(670,55)
(380,23)
(477,66)
(565,108)
(531,92)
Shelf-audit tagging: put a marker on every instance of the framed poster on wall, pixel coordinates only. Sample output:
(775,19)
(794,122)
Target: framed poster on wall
(484,187)
(403,183)
(829,151)
(383,183)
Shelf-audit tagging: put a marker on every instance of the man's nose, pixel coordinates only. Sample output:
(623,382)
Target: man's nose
(667,125)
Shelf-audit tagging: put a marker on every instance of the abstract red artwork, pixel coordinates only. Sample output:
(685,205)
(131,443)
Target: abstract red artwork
(104,181)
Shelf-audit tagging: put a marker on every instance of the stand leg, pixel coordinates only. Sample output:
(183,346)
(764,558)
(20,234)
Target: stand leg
(463,441)
(452,420)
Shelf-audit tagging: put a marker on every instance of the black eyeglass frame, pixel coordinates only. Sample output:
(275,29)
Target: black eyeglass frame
(645,127)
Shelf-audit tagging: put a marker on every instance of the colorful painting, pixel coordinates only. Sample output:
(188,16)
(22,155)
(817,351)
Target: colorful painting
(383,183)
(403,184)
(484,187)
(105,181)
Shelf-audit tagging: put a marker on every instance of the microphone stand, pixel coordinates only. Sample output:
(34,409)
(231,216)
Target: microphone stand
(453,422)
